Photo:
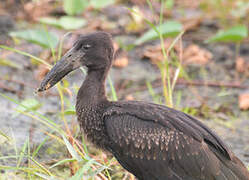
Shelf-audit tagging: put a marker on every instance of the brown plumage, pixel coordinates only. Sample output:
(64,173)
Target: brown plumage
(151,141)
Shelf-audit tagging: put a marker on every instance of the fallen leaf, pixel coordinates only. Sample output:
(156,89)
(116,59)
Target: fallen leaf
(36,9)
(240,65)
(193,54)
(190,51)
(116,46)
(154,56)
(154,52)
(244,101)
(191,23)
(129,97)
(121,62)
(120,56)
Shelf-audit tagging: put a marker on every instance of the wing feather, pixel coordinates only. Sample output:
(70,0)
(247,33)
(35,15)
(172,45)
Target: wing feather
(157,142)
(142,144)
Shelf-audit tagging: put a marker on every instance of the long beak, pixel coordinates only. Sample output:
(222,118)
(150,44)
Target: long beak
(65,65)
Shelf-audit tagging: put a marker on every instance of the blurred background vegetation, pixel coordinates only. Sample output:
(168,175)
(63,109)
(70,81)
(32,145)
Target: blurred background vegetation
(190,55)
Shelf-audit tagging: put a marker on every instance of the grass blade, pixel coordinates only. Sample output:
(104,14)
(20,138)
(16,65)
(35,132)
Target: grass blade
(41,166)
(114,94)
(26,54)
(62,162)
(71,150)
(22,153)
(45,176)
(80,172)
(39,147)
(4,135)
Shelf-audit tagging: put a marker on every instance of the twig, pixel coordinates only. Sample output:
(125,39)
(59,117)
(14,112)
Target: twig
(6,88)
(157,83)
(213,84)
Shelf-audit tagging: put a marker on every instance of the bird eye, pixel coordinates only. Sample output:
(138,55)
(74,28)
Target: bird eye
(86,46)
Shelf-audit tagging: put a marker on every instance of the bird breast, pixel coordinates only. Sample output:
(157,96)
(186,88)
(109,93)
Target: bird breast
(92,125)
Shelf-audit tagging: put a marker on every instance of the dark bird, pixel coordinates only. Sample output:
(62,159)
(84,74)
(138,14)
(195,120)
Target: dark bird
(152,141)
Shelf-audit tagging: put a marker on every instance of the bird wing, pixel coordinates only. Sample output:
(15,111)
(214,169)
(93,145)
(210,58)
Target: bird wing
(171,119)
(151,140)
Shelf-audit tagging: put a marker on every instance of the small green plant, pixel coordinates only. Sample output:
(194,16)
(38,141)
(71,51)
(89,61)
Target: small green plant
(65,22)
(41,37)
(166,29)
(101,4)
(74,7)
(169,4)
(235,34)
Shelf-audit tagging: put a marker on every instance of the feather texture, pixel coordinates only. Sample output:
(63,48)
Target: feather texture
(157,142)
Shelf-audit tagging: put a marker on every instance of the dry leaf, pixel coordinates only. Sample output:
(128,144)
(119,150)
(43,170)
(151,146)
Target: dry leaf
(129,97)
(116,46)
(120,56)
(191,23)
(121,62)
(240,65)
(244,101)
(154,55)
(37,9)
(190,51)
(154,52)
(193,54)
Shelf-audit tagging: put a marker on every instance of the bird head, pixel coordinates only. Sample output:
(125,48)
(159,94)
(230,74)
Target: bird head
(94,51)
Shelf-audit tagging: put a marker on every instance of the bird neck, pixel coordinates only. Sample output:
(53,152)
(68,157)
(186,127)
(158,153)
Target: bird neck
(92,90)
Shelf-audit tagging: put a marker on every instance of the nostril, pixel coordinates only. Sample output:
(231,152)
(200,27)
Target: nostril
(69,55)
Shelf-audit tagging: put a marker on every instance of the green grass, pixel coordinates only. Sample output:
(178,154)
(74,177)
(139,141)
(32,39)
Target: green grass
(168,81)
